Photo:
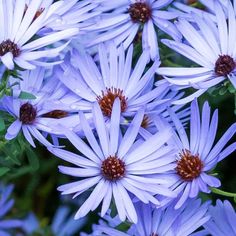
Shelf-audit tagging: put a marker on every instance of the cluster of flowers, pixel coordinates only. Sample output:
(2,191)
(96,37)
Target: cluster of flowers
(75,57)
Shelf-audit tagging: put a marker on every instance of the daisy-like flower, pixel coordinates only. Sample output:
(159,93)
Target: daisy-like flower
(19,24)
(118,167)
(113,78)
(6,225)
(121,21)
(210,45)
(223,218)
(63,224)
(198,156)
(34,115)
(70,14)
(162,221)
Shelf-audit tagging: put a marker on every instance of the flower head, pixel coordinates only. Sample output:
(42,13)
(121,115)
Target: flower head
(6,225)
(121,21)
(20,21)
(198,156)
(63,223)
(209,44)
(113,78)
(223,218)
(118,167)
(35,115)
(164,221)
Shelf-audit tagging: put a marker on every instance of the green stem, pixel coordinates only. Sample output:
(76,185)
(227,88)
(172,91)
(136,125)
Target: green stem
(223,193)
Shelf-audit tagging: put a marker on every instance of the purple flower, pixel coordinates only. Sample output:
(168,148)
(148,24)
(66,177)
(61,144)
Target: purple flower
(117,166)
(164,221)
(208,43)
(223,218)
(114,77)
(20,21)
(198,156)
(6,225)
(63,223)
(39,114)
(70,14)
(121,21)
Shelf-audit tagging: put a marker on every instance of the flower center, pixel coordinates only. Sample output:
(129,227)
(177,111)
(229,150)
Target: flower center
(107,99)
(189,166)
(153,234)
(113,168)
(145,122)
(140,12)
(27,113)
(8,46)
(224,65)
(56,114)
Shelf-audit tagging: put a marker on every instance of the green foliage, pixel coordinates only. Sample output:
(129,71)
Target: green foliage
(26,95)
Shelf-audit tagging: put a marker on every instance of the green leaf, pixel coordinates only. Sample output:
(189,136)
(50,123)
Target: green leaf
(3,170)
(26,95)
(32,158)
(2,124)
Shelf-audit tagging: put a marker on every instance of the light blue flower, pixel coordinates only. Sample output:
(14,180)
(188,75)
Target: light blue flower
(63,223)
(20,21)
(6,225)
(34,116)
(223,219)
(117,165)
(198,155)
(160,221)
(122,20)
(209,44)
(113,77)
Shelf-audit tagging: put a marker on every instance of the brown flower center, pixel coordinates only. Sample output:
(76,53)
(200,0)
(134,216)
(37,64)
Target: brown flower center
(107,99)
(145,122)
(56,114)
(27,113)
(8,46)
(140,12)
(113,168)
(224,65)
(189,166)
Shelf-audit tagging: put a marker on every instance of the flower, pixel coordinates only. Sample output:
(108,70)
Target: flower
(19,24)
(197,156)
(34,115)
(70,14)
(118,167)
(62,223)
(121,21)
(114,78)
(162,221)
(208,44)
(5,205)
(223,218)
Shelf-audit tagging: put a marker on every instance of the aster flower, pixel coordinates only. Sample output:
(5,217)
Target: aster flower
(70,14)
(121,21)
(210,45)
(164,221)
(223,218)
(114,78)
(117,167)
(19,24)
(5,206)
(63,223)
(35,115)
(198,156)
